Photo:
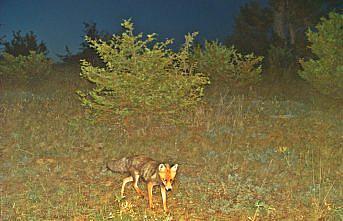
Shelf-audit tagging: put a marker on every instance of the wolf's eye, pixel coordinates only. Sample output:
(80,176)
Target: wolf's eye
(171,180)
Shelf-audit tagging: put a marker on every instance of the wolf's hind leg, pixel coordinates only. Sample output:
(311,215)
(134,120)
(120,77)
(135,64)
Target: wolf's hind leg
(135,185)
(125,181)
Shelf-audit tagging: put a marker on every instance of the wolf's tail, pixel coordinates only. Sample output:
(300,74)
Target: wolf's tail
(118,166)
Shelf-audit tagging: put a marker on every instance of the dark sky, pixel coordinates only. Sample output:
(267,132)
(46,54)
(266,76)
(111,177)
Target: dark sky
(60,22)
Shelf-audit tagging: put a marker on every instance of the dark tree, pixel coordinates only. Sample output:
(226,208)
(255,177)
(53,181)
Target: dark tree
(291,18)
(22,45)
(277,31)
(252,29)
(282,23)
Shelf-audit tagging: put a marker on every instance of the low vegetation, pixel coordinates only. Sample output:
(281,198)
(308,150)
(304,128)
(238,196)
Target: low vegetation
(255,153)
(245,156)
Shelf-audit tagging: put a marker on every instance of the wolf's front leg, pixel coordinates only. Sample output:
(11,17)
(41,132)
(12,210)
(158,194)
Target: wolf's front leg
(164,198)
(150,186)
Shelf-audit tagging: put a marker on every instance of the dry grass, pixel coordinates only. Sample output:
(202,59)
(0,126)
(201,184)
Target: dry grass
(242,157)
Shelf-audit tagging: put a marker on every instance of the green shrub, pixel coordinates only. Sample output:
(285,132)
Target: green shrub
(227,65)
(25,67)
(325,72)
(141,77)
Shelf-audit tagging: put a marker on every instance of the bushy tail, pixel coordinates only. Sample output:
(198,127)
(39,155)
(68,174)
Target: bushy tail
(118,166)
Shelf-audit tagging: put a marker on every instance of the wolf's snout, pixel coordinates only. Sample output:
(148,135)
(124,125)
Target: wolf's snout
(168,189)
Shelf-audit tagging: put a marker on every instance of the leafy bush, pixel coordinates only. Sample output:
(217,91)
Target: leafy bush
(141,76)
(25,67)
(224,64)
(325,72)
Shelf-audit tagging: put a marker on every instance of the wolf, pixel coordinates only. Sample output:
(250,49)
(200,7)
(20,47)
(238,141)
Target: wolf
(152,172)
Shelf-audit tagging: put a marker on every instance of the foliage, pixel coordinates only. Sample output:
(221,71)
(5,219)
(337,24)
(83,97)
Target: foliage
(326,72)
(25,67)
(223,64)
(141,76)
(23,45)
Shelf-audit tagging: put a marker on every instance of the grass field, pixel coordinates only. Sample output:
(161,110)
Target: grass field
(260,155)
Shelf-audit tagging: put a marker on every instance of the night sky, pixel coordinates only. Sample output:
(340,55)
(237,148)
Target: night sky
(60,23)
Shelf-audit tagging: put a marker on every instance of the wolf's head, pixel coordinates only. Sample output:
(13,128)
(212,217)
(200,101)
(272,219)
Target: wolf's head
(167,175)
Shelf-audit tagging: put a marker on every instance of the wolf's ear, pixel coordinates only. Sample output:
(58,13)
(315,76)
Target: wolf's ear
(174,167)
(161,167)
